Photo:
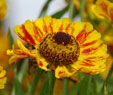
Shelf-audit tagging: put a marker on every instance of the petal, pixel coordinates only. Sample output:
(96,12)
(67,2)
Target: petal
(109,63)
(27,32)
(2,86)
(24,49)
(18,54)
(56,24)
(42,63)
(88,68)
(3,80)
(100,9)
(2,73)
(16,58)
(63,72)
(110,11)
(65,25)
(94,57)
(91,38)
(77,28)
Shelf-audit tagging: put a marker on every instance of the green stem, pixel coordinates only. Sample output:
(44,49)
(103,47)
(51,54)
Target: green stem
(51,77)
(66,84)
(105,90)
(82,6)
(71,8)
(34,84)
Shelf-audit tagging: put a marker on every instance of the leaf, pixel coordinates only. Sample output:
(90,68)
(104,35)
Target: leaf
(35,82)
(11,40)
(71,9)
(75,89)
(23,70)
(60,13)
(66,85)
(82,6)
(87,87)
(17,87)
(47,88)
(44,10)
(110,93)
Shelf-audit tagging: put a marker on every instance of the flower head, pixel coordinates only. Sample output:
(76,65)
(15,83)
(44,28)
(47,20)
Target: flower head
(3,78)
(62,46)
(3,8)
(103,9)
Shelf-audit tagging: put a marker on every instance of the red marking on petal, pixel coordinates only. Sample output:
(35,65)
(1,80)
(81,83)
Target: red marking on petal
(91,50)
(28,37)
(90,43)
(67,27)
(60,72)
(86,64)
(40,63)
(45,27)
(61,28)
(51,27)
(82,36)
(19,52)
(37,35)
(104,7)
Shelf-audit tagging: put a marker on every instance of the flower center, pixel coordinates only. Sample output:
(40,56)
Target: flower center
(62,37)
(59,48)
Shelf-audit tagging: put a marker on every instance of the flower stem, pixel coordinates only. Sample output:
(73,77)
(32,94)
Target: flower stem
(105,90)
(82,6)
(51,77)
(71,7)
(34,84)
(66,84)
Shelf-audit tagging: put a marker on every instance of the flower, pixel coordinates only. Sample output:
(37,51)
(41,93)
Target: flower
(63,46)
(103,9)
(3,78)
(3,8)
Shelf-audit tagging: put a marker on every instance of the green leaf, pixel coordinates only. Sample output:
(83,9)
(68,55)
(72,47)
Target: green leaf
(60,13)
(110,93)
(75,89)
(66,85)
(23,70)
(44,10)
(17,87)
(35,82)
(82,6)
(11,40)
(47,88)
(71,9)
(87,87)
(99,83)
(19,76)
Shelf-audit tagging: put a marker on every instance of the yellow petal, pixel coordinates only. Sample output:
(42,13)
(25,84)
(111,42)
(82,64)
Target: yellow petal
(109,63)
(2,73)
(42,63)
(63,72)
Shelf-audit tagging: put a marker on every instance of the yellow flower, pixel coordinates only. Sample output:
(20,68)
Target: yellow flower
(3,78)
(3,8)
(62,46)
(103,9)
